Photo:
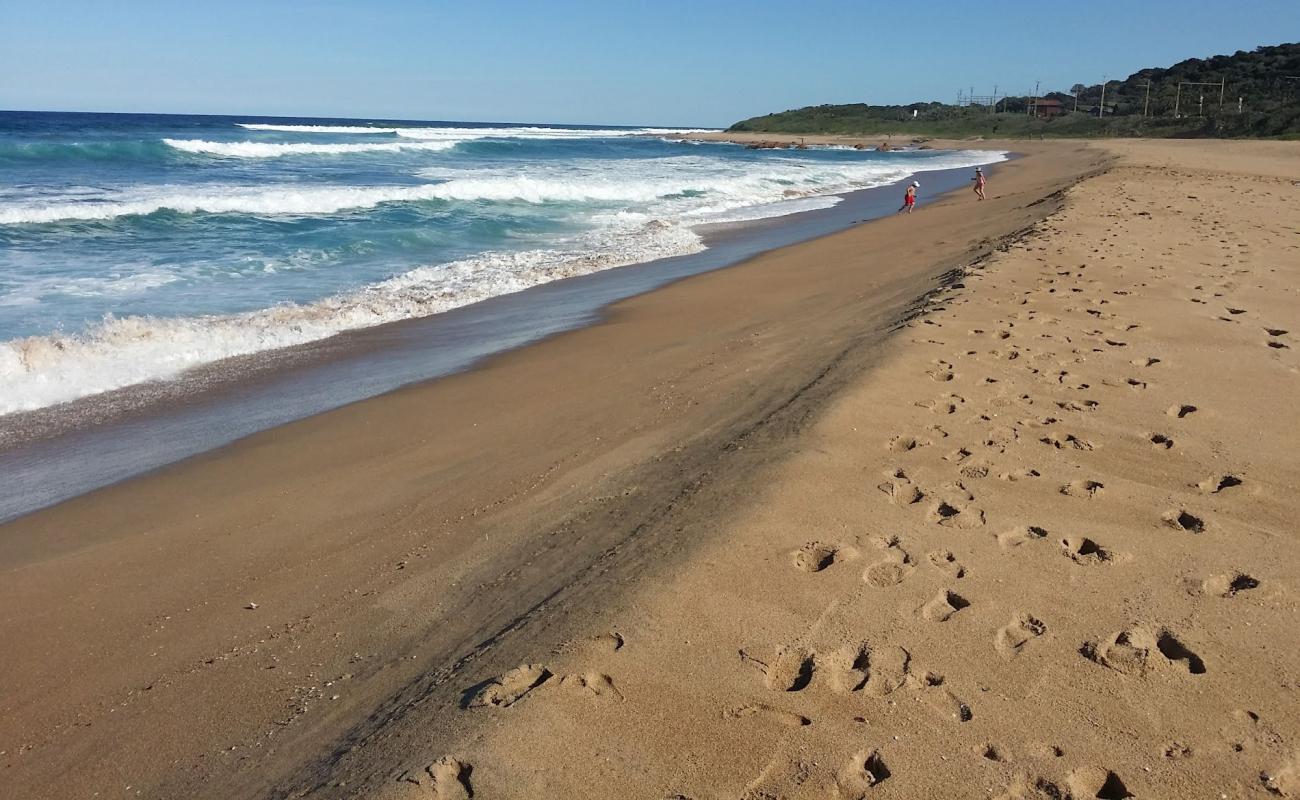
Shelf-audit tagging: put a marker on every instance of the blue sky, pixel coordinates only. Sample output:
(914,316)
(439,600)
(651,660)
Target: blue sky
(582,61)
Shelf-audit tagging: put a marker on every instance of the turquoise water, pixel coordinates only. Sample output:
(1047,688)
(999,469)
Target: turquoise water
(135,247)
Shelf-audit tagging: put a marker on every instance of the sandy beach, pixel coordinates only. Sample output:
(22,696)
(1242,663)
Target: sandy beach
(997,499)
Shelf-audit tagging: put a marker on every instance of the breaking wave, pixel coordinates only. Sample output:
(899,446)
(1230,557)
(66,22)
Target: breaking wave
(427,132)
(40,371)
(278,149)
(777,182)
(631,210)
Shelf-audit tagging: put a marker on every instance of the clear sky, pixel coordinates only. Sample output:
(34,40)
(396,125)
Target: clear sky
(666,62)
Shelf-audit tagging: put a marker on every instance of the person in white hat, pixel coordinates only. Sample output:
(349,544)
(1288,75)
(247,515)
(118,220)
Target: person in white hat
(979,183)
(909,199)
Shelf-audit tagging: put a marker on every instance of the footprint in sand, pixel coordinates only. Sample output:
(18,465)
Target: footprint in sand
(1086,489)
(865,769)
(856,667)
(1020,535)
(814,557)
(942,606)
(1182,410)
(444,779)
(1159,441)
(947,404)
(610,642)
(946,562)
(1013,637)
(1080,405)
(849,667)
(891,571)
(791,670)
(904,443)
(592,684)
(941,698)
(955,515)
(1226,585)
(1181,519)
(886,573)
(901,490)
(766,713)
(1001,437)
(1248,732)
(1137,651)
(1082,550)
(957,456)
(781,778)
(941,372)
(510,688)
(888,670)
(1019,474)
(1028,787)
(1067,442)
(1217,483)
(1097,782)
(994,752)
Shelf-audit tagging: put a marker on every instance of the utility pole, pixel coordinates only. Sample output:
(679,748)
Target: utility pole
(1033,109)
(1101,108)
(1222,84)
(1147,100)
(1178,97)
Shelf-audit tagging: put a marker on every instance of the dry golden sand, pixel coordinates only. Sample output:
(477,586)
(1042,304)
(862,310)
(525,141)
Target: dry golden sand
(765,533)
(1045,548)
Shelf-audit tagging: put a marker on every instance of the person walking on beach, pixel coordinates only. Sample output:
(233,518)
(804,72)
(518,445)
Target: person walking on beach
(909,199)
(979,183)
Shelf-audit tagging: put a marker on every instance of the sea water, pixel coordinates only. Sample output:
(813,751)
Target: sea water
(136,247)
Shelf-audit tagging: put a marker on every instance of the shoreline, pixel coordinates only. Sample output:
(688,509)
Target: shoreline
(54,454)
(526,488)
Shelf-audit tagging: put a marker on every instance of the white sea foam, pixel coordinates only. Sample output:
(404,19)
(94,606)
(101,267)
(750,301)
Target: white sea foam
(428,132)
(258,126)
(613,184)
(641,209)
(278,149)
(45,370)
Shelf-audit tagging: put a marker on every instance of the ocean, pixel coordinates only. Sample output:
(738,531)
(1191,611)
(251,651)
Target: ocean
(136,247)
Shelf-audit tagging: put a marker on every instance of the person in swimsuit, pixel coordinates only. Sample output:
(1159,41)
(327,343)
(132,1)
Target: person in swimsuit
(979,183)
(909,199)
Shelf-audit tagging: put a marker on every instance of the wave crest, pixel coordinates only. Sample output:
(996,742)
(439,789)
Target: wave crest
(279,149)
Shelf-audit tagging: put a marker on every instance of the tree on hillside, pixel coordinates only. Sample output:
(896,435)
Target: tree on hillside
(1249,93)
(1075,91)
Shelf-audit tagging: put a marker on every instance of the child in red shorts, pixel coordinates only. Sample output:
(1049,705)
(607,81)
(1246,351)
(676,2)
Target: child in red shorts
(909,199)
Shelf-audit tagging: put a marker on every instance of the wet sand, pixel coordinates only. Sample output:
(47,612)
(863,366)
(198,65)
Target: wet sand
(997,499)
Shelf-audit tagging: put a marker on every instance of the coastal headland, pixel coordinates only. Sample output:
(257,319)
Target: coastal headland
(996,499)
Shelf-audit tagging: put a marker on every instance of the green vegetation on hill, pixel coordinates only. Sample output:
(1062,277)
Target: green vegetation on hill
(1266,80)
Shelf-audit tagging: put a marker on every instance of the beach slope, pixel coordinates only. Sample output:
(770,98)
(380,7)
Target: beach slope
(993,499)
